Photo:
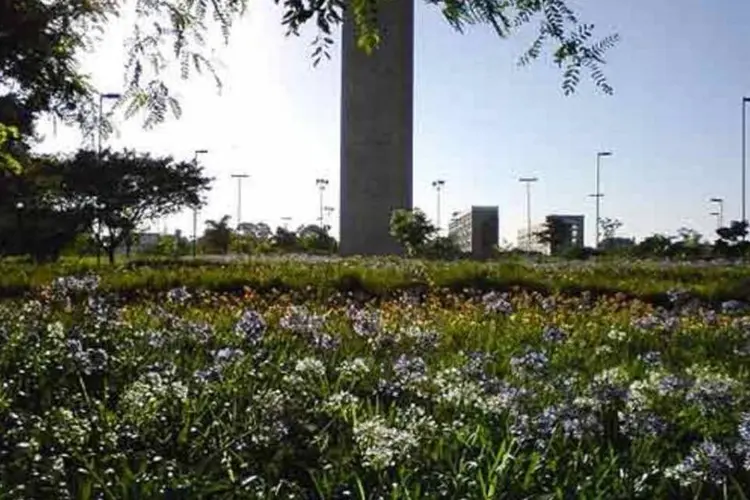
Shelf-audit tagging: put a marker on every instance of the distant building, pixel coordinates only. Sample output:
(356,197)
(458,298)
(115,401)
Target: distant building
(570,235)
(476,231)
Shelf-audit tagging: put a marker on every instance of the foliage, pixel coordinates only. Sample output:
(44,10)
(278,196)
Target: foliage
(258,230)
(609,227)
(33,219)
(217,236)
(192,394)
(316,239)
(285,239)
(42,42)
(412,229)
(170,245)
(442,248)
(123,190)
(383,278)
(8,160)
(656,245)
(555,233)
(732,240)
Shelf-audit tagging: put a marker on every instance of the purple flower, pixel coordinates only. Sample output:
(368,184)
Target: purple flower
(365,323)
(251,326)
(497,305)
(707,462)
(324,341)
(299,319)
(650,358)
(733,307)
(554,335)
(227,355)
(711,394)
(178,295)
(531,362)
(408,370)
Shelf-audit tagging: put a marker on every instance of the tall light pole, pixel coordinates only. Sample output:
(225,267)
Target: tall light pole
(718,218)
(745,100)
(195,208)
(438,185)
(598,195)
(286,221)
(100,119)
(321,183)
(720,212)
(328,210)
(239,178)
(528,181)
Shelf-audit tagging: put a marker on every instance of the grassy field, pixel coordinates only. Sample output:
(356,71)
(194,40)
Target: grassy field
(649,281)
(374,379)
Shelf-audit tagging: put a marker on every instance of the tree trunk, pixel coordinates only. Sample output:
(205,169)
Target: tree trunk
(111,254)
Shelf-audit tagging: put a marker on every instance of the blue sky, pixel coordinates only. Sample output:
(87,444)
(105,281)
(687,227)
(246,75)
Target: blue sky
(679,74)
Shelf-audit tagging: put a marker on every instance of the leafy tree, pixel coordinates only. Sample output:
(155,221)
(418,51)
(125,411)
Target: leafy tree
(126,189)
(43,39)
(555,233)
(737,230)
(412,229)
(33,220)
(171,245)
(732,240)
(260,231)
(285,239)
(316,238)
(442,248)
(609,227)
(656,245)
(218,235)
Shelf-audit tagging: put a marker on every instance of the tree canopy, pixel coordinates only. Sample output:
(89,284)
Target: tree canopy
(123,190)
(41,42)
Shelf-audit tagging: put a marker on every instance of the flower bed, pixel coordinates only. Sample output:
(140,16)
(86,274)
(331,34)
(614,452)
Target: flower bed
(196,394)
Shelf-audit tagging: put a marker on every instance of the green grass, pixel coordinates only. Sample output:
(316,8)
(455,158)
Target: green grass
(385,277)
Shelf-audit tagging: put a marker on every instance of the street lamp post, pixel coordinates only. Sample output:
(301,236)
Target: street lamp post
(598,195)
(239,178)
(328,210)
(718,218)
(438,185)
(286,221)
(528,181)
(100,119)
(195,208)
(745,100)
(322,184)
(720,212)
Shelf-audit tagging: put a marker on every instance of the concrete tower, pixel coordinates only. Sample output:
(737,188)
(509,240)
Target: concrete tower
(377,102)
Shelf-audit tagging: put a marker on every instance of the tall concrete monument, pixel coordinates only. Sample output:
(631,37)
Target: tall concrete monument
(377,110)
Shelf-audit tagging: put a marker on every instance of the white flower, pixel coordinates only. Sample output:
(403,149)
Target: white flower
(617,335)
(381,445)
(350,368)
(310,365)
(340,401)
